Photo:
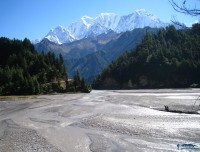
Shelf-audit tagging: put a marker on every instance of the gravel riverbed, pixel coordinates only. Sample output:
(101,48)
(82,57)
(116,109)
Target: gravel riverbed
(118,120)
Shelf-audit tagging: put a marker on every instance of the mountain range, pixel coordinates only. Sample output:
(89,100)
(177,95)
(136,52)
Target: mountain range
(89,27)
(91,44)
(91,55)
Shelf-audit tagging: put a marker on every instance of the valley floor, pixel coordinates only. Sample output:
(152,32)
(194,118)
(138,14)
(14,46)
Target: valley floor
(100,121)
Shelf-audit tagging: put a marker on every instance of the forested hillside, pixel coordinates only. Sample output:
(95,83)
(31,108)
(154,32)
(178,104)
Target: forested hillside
(168,59)
(24,71)
(91,55)
(94,63)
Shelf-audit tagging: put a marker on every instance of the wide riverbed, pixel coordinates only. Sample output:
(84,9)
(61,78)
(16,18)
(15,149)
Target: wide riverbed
(128,120)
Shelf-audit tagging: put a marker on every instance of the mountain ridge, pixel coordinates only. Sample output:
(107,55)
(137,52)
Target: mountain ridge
(87,26)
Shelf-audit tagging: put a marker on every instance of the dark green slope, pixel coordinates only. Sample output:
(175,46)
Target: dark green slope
(24,71)
(92,64)
(126,42)
(169,59)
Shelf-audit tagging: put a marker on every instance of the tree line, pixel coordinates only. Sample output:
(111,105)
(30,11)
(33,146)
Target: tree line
(24,71)
(168,59)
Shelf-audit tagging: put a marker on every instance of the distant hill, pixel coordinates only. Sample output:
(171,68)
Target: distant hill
(90,56)
(168,59)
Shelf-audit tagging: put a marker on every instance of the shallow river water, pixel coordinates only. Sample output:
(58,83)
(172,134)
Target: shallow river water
(118,121)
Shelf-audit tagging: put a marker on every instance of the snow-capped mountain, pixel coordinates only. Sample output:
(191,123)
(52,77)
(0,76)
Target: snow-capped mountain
(91,27)
(139,19)
(88,26)
(60,35)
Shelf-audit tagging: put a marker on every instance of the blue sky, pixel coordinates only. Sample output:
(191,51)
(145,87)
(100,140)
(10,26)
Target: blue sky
(34,18)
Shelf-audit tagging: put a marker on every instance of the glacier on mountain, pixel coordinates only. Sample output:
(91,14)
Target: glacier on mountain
(105,22)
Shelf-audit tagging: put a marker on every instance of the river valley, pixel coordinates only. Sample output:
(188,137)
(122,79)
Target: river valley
(114,120)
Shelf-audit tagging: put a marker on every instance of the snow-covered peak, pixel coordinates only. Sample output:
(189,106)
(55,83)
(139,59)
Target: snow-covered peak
(58,29)
(60,35)
(143,12)
(87,20)
(88,26)
(109,20)
(139,19)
